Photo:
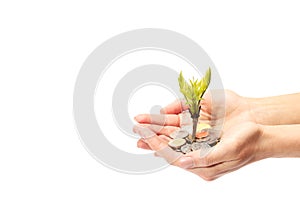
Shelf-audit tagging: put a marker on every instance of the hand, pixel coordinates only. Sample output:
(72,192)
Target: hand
(240,142)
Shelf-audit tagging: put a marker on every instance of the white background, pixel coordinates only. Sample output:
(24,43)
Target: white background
(255,46)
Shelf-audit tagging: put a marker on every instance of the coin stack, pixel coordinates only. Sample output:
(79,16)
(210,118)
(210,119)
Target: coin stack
(205,137)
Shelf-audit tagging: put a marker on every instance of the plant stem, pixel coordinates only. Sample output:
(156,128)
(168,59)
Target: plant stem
(195,118)
(195,122)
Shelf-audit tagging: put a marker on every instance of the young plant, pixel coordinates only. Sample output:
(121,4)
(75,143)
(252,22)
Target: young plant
(193,91)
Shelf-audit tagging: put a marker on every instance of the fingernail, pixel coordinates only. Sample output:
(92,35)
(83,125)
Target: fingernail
(136,118)
(186,162)
(144,132)
(138,145)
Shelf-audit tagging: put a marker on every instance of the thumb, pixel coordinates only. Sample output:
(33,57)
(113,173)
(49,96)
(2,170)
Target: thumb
(175,107)
(204,157)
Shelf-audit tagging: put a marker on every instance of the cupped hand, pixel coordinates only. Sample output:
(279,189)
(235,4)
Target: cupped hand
(241,139)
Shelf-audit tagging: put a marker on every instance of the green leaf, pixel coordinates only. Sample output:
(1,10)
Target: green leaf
(193,90)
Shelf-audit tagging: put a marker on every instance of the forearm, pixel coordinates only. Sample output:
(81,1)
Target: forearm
(280,141)
(277,110)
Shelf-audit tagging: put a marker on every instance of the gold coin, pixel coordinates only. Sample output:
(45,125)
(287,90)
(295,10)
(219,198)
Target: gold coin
(200,127)
(202,134)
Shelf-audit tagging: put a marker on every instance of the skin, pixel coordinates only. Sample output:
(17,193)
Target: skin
(252,130)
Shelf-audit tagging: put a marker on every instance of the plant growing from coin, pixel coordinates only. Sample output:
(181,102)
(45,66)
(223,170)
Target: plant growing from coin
(193,91)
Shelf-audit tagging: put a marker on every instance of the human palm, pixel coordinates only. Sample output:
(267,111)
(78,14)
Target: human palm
(239,144)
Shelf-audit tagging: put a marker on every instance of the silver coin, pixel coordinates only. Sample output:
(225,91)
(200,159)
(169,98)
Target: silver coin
(189,139)
(179,134)
(187,148)
(196,146)
(177,143)
(188,128)
(214,134)
(213,142)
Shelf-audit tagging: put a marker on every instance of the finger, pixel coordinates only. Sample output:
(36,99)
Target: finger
(163,130)
(143,131)
(148,136)
(207,157)
(169,155)
(175,107)
(157,144)
(205,121)
(204,115)
(143,145)
(216,171)
(164,120)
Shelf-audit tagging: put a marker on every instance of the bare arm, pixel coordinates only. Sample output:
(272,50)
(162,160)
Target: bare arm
(253,129)
(276,110)
(280,141)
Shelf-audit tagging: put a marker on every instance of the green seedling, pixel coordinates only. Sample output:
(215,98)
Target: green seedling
(193,91)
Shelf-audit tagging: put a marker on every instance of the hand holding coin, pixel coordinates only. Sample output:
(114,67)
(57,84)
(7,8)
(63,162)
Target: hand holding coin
(239,145)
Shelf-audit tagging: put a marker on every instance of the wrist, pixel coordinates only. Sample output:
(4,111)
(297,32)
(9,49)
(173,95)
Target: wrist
(261,146)
(264,111)
(266,143)
(275,110)
(280,141)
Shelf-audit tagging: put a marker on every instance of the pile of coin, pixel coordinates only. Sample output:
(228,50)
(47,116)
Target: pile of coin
(205,138)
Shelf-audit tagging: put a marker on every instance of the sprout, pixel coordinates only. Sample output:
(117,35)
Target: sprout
(193,92)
